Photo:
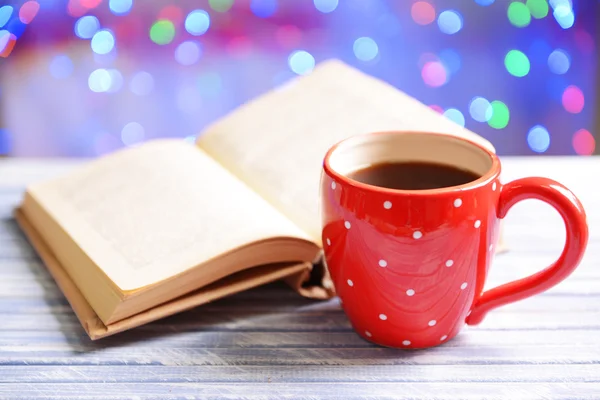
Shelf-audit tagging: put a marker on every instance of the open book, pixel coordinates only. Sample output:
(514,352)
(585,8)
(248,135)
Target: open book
(152,230)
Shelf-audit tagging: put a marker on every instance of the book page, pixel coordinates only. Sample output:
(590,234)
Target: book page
(277,142)
(145,214)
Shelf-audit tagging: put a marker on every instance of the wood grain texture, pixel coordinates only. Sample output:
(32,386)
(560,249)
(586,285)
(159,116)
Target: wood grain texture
(269,343)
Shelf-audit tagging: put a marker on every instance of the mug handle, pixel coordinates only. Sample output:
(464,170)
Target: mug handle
(572,213)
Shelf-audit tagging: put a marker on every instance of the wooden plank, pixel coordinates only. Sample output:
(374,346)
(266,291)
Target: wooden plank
(315,322)
(304,390)
(313,374)
(441,355)
(71,340)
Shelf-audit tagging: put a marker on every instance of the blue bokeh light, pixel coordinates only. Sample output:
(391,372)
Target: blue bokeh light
(450,22)
(99,81)
(301,62)
(455,115)
(142,83)
(5,142)
(365,49)
(188,53)
(86,26)
(480,109)
(484,3)
(326,6)
(197,22)
(263,8)
(563,13)
(451,60)
(120,7)
(538,139)
(559,62)
(103,42)
(61,66)
(5,14)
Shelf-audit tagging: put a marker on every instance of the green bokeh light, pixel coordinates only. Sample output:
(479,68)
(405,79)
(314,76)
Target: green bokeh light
(500,115)
(162,32)
(220,5)
(517,63)
(538,8)
(518,14)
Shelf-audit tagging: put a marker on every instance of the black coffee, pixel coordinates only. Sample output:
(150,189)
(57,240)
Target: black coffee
(413,175)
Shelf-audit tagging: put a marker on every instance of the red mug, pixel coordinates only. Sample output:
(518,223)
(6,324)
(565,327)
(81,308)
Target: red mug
(410,266)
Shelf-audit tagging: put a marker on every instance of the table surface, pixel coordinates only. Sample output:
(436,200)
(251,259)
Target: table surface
(270,343)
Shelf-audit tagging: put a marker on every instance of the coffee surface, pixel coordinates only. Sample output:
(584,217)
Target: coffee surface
(413,175)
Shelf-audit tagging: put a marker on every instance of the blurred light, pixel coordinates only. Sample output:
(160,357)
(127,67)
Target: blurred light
(437,108)
(365,49)
(263,8)
(388,23)
(484,3)
(288,35)
(103,42)
(61,67)
(4,39)
(584,41)
(16,27)
(220,5)
(7,43)
(500,115)
(573,100)
(86,27)
(188,53)
(454,115)
(133,133)
(537,8)
(434,74)
(5,142)
(120,7)
(450,22)
(559,62)
(99,81)
(538,139)
(28,11)
(190,139)
(517,63)
(326,6)
(89,4)
(188,99)
(563,14)
(162,32)
(480,109)
(239,47)
(142,83)
(197,22)
(5,14)
(518,14)
(422,13)
(76,9)
(116,80)
(210,85)
(584,142)
(301,62)
(451,60)
(172,13)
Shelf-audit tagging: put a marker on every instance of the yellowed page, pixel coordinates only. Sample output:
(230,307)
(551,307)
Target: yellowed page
(145,214)
(276,143)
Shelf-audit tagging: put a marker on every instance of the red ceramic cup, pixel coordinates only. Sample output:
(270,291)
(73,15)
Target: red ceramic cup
(410,266)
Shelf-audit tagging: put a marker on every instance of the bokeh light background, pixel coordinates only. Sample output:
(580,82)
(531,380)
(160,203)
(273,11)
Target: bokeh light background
(86,77)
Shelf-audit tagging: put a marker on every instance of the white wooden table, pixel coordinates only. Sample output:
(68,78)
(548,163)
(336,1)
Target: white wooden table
(269,343)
